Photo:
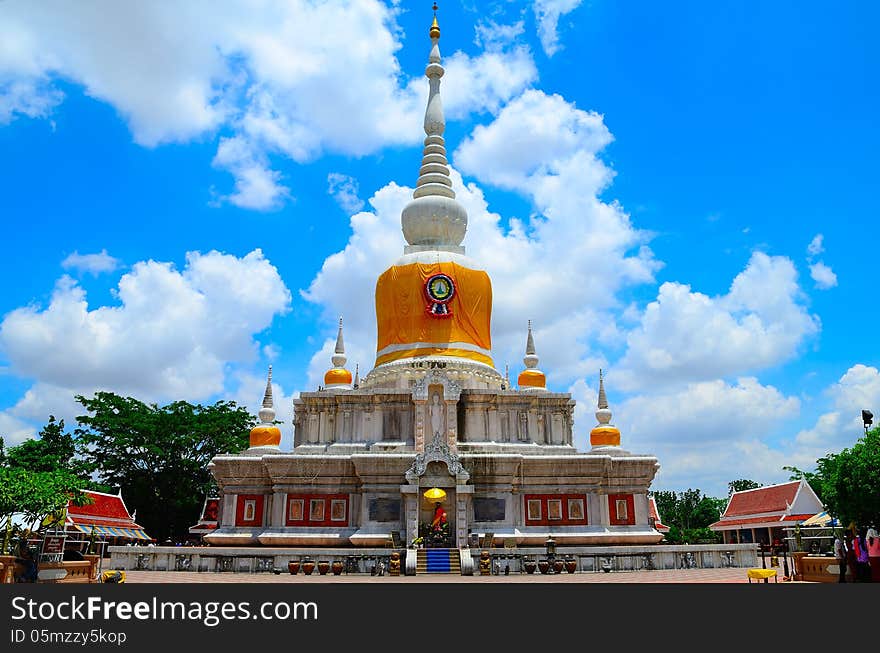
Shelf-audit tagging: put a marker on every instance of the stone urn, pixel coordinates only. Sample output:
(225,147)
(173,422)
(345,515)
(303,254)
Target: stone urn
(308,567)
(394,564)
(571,566)
(530,566)
(558,565)
(336,567)
(293,567)
(323,567)
(485,563)
(544,566)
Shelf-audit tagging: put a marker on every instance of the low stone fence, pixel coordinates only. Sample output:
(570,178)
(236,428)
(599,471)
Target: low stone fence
(251,560)
(364,561)
(633,558)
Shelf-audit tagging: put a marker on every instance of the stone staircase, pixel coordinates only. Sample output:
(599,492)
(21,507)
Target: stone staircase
(438,561)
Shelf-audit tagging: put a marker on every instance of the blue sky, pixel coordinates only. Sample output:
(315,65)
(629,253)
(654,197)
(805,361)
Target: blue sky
(679,193)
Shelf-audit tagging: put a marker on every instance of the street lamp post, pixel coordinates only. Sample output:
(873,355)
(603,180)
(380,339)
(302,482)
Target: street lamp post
(868,419)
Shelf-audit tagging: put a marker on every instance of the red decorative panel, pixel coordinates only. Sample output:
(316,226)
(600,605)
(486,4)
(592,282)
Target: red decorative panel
(316,510)
(621,509)
(249,510)
(555,509)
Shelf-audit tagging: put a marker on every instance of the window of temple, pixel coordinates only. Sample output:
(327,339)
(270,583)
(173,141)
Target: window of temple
(249,510)
(555,509)
(621,509)
(317,510)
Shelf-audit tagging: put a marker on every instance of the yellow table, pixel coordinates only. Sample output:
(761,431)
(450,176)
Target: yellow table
(762,574)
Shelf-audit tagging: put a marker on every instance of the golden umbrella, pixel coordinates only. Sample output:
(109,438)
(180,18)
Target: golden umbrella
(435,494)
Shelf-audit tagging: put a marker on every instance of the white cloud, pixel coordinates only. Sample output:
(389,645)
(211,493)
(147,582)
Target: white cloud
(33,98)
(256,186)
(688,336)
(857,389)
(815,247)
(536,138)
(275,77)
(490,35)
(344,190)
(92,263)
(823,276)
(709,433)
(15,431)
(172,336)
(548,13)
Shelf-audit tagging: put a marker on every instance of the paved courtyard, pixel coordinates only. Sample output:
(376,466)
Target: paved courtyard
(726,575)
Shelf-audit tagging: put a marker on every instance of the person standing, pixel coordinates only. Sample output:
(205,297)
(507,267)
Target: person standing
(873,542)
(860,543)
(840,554)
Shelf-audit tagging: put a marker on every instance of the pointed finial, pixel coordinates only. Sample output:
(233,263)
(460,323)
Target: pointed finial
(507,374)
(603,414)
(339,356)
(531,378)
(357,374)
(338,378)
(605,434)
(267,412)
(531,358)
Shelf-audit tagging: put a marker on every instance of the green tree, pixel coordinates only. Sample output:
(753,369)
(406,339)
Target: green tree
(850,481)
(54,449)
(158,456)
(741,485)
(688,514)
(37,479)
(34,496)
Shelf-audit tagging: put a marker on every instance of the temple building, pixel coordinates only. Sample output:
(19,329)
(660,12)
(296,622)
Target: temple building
(433,445)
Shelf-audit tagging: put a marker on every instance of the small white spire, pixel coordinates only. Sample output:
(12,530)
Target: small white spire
(603,414)
(267,412)
(507,375)
(357,375)
(531,358)
(339,358)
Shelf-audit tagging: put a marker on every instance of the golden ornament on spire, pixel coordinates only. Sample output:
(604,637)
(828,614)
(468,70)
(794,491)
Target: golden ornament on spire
(435,26)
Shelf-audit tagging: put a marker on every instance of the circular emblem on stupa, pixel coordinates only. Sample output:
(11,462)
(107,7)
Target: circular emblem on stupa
(440,289)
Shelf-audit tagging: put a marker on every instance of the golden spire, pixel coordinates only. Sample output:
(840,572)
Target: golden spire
(435,26)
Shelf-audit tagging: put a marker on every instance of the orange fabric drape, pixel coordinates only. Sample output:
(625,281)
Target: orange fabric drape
(402,317)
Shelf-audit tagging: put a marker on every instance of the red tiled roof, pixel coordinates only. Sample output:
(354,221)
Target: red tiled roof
(209,511)
(105,505)
(208,520)
(767,519)
(652,512)
(107,510)
(762,500)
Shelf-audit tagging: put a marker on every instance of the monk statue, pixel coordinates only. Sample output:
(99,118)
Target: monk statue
(439,517)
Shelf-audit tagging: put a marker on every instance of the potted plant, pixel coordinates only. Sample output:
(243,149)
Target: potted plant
(308,566)
(571,565)
(323,567)
(336,566)
(530,566)
(558,565)
(293,567)
(544,566)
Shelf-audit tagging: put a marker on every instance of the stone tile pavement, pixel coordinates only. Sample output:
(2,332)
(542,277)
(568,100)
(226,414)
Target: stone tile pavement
(726,575)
